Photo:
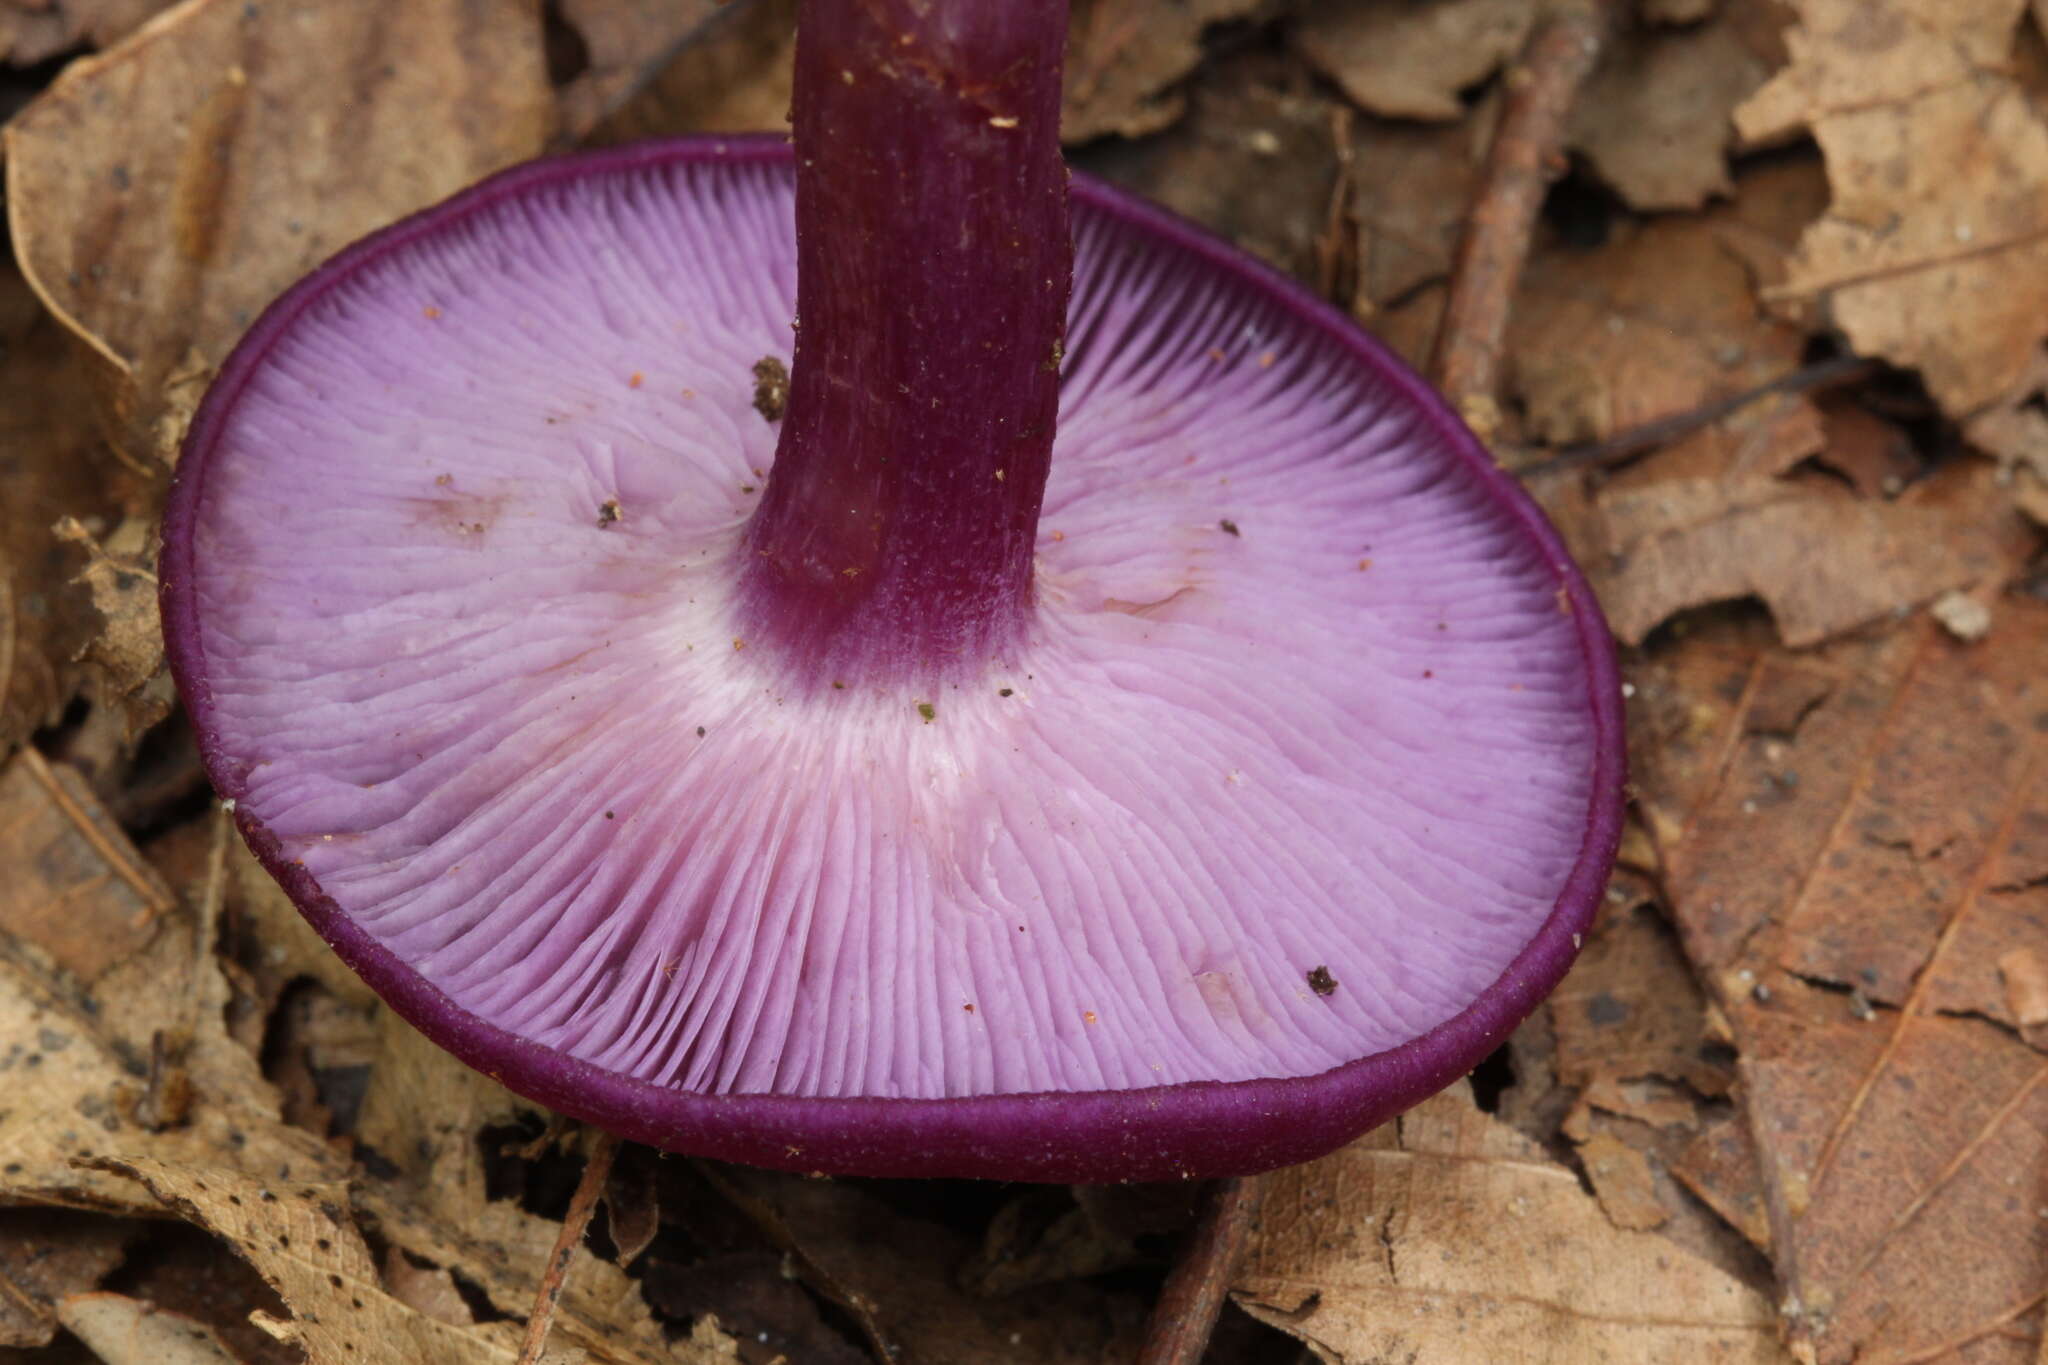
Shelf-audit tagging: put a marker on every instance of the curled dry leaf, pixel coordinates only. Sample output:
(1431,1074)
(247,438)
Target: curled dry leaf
(1446,1237)
(1654,119)
(51,466)
(299,1238)
(126,654)
(125,1331)
(1661,320)
(896,1276)
(1407,60)
(422,1118)
(112,1040)
(161,193)
(47,1255)
(626,43)
(734,76)
(33,32)
(1853,845)
(1124,57)
(1934,250)
(1255,159)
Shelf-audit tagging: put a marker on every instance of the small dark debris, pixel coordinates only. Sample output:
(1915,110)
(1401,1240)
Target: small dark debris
(928,711)
(771,387)
(700,732)
(1320,981)
(1230,526)
(608,512)
(1006,691)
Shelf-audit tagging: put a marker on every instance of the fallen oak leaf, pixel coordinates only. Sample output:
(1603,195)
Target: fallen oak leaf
(46,1256)
(298,1237)
(1446,1237)
(1847,871)
(1412,61)
(155,206)
(125,1331)
(111,1006)
(34,33)
(1124,57)
(422,1117)
(626,43)
(127,652)
(1934,250)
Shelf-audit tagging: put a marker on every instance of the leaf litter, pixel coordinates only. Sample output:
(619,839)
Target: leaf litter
(1797,1076)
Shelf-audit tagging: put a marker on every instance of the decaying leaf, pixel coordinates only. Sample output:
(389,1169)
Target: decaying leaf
(1661,317)
(1124,57)
(162,192)
(1446,1237)
(895,1274)
(734,78)
(1934,250)
(47,1255)
(423,1118)
(1852,846)
(626,43)
(299,1237)
(125,1331)
(1412,60)
(112,1040)
(51,466)
(1654,120)
(1255,159)
(126,653)
(33,31)
(1411,193)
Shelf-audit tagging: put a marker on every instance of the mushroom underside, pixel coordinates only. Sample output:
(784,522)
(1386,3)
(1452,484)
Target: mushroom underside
(1306,746)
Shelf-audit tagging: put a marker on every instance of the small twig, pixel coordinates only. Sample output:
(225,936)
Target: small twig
(1185,1315)
(596,1168)
(1626,445)
(1527,154)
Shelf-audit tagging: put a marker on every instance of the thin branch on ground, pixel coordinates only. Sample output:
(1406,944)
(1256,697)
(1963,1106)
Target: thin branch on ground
(1526,156)
(1185,1314)
(596,1169)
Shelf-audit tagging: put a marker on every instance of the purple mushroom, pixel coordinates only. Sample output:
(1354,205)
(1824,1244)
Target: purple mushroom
(897,781)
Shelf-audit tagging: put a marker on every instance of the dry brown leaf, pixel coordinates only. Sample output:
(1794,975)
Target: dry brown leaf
(46,1255)
(161,193)
(1934,250)
(1629,1008)
(1446,1237)
(125,1331)
(422,1117)
(299,1237)
(1123,57)
(126,654)
(112,1039)
(1622,1182)
(896,1276)
(35,33)
(1654,118)
(51,466)
(1412,60)
(626,43)
(1255,160)
(1852,845)
(1684,531)
(1661,318)
(1411,193)
(735,78)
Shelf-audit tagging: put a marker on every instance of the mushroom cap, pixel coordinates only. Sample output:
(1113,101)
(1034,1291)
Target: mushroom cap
(1295,798)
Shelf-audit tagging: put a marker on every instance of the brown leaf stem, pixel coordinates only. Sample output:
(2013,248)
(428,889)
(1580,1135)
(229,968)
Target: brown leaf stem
(1185,1314)
(596,1169)
(1527,154)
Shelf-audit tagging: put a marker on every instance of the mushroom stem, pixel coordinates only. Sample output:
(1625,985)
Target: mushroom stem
(894,539)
